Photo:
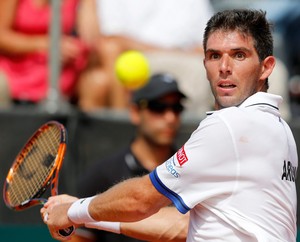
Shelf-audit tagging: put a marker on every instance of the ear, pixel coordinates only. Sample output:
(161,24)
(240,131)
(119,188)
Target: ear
(268,66)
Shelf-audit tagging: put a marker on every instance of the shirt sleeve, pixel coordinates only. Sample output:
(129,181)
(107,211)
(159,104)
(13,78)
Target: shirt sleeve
(202,168)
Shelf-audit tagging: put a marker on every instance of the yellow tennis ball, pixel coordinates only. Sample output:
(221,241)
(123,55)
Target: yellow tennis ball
(132,69)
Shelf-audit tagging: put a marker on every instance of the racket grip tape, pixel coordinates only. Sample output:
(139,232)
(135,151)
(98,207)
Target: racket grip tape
(66,232)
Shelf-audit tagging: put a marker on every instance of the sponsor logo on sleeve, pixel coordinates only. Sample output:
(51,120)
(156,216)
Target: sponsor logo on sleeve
(171,168)
(181,156)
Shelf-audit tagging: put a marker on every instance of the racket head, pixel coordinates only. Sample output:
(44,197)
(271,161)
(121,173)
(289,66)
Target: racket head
(36,167)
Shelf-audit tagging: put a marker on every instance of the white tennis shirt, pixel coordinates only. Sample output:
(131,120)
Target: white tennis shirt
(236,174)
(163,23)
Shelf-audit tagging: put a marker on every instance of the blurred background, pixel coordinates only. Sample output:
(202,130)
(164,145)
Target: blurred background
(95,127)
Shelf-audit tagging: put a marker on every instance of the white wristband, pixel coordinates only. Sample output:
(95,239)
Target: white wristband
(78,213)
(114,227)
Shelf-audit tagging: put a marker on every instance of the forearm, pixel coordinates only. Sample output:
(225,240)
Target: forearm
(17,43)
(129,201)
(166,225)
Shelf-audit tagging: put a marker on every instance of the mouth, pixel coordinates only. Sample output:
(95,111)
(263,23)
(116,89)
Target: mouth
(225,86)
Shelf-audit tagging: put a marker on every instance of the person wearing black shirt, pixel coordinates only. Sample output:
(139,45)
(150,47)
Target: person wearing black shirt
(155,112)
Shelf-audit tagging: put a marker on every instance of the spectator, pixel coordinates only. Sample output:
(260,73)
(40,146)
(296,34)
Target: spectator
(291,36)
(24,47)
(168,32)
(155,112)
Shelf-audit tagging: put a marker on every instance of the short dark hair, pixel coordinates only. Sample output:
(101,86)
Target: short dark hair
(249,22)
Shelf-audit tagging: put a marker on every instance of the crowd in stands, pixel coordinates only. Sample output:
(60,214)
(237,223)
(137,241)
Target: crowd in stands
(95,32)
(24,48)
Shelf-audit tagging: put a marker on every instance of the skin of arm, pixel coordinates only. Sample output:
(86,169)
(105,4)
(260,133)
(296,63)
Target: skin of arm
(17,43)
(87,16)
(166,225)
(13,42)
(129,201)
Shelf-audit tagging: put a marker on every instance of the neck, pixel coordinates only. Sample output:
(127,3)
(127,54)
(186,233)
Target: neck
(150,155)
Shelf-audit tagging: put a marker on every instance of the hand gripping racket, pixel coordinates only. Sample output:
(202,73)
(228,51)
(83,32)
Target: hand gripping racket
(35,168)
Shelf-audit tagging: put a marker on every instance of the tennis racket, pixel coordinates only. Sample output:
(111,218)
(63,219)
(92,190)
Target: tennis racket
(35,168)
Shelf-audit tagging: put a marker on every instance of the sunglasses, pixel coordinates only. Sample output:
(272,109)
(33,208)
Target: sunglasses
(161,107)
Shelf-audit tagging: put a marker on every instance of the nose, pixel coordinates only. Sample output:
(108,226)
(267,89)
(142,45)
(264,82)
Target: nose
(225,65)
(171,116)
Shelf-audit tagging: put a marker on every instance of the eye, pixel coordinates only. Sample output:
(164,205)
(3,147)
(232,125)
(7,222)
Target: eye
(240,55)
(213,56)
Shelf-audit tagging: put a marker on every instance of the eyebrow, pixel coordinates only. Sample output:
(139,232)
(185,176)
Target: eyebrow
(234,49)
(241,49)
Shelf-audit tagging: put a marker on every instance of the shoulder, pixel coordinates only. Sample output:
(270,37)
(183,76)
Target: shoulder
(222,123)
(220,117)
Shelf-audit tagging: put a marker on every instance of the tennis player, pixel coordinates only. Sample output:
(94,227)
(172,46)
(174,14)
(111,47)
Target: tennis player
(236,174)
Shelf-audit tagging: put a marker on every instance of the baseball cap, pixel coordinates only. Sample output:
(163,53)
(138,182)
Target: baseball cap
(159,85)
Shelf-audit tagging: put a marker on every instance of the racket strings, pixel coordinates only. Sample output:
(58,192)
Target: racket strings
(36,163)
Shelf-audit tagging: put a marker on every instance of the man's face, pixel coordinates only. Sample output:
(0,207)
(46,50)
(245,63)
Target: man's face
(157,122)
(233,68)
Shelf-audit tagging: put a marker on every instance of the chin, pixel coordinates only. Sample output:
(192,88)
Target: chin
(226,102)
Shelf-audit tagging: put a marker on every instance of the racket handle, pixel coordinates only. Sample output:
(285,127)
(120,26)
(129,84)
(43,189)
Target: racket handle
(66,232)
(62,232)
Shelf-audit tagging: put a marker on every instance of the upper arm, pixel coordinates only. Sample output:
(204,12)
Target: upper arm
(190,176)
(87,21)
(7,13)
(147,199)
(155,197)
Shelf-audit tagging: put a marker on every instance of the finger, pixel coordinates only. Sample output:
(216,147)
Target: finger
(57,199)
(53,199)
(50,204)
(46,204)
